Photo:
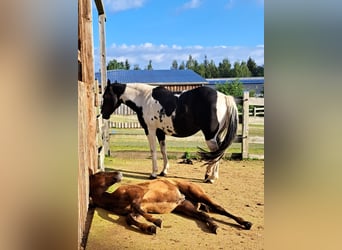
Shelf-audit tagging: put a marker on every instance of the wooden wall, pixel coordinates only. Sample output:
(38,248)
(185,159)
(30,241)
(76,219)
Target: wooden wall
(87,151)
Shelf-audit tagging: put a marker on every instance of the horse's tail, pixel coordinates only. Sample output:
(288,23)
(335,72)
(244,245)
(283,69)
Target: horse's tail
(226,135)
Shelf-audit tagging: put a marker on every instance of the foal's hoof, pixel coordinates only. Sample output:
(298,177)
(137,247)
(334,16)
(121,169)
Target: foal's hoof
(151,229)
(158,222)
(213,229)
(152,177)
(247,225)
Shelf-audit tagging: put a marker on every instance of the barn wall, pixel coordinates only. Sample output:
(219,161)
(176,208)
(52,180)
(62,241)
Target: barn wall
(87,147)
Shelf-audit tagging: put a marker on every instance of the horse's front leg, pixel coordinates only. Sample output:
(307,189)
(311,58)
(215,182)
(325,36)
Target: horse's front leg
(152,142)
(132,219)
(162,144)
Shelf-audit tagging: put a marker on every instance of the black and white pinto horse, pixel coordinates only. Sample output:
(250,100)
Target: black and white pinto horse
(160,113)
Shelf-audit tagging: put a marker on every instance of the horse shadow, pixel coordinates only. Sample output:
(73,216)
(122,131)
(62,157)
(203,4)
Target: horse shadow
(145,176)
(121,221)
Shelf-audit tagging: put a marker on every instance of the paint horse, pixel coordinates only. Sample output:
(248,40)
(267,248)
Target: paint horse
(160,113)
(156,196)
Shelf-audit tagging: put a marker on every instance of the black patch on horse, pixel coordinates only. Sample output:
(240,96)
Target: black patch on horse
(139,112)
(166,98)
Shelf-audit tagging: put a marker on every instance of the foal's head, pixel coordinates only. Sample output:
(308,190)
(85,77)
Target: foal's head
(101,181)
(111,98)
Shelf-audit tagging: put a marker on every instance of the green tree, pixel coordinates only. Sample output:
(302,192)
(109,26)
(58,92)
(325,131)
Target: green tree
(190,63)
(260,71)
(127,65)
(235,88)
(149,66)
(240,70)
(182,66)
(114,64)
(213,71)
(252,67)
(174,64)
(136,67)
(224,68)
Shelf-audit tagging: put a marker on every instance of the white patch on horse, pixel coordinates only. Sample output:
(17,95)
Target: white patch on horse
(157,118)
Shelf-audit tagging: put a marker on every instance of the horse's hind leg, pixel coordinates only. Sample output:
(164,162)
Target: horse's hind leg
(215,208)
(196,194)
(187,208)
(212,172)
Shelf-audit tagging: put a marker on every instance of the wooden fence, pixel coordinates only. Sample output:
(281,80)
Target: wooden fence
(252,106)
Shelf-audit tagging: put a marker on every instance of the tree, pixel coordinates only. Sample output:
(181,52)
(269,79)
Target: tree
(212,69)
(260,71)
(136,67)
(240,70)
(224,68)
(190,63)
(235,88)
(149,66)
(114,64)
(174,64)
(252,67)
(182,66)
(127,65)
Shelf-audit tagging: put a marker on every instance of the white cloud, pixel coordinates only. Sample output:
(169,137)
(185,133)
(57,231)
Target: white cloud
(192,4)
(121,5)
(162,55)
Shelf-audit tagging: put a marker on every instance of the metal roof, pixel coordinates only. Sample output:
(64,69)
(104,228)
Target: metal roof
(243,80)
(154,76)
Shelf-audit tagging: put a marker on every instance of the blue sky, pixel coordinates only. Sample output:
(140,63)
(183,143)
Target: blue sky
(163,31)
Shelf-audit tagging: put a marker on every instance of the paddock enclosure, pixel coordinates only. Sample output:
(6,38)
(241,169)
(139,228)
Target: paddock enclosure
(93,136)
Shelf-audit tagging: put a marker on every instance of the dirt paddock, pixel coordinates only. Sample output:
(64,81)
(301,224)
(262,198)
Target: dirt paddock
(239,189)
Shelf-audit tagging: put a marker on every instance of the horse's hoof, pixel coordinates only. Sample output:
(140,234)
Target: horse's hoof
(247,225)
(152,177)
(158,222)
(208,181)
(213,229)
(162,174)
(151,229)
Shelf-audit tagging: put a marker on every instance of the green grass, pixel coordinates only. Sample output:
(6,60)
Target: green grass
(135,140)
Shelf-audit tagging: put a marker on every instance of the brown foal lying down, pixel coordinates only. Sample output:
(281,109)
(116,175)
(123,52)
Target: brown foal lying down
(157,196)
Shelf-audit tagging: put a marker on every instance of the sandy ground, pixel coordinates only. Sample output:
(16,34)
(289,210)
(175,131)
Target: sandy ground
(240,190)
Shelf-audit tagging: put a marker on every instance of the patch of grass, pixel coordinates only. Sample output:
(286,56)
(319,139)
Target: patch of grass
(135,140)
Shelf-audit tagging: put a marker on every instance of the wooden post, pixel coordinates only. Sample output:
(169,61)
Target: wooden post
(245,128)
(105,129)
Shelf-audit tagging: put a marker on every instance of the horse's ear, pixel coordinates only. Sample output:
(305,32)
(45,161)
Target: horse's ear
(108,82)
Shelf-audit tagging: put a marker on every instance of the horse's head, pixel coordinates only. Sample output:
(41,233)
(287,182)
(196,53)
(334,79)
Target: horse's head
(101,181)
(111,98)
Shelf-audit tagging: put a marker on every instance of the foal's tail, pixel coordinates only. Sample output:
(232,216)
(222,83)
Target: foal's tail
(226,135)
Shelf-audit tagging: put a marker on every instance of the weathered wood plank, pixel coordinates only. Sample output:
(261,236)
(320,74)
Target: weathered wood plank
(245,125)
(256,101)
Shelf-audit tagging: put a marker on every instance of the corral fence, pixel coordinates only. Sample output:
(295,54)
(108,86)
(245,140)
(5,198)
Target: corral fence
(252,107)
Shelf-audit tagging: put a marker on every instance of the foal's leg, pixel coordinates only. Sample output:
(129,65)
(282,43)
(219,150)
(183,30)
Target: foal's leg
(196,194)
(152,142)
(132,219)
(187,208)
(137,209)
(162,144)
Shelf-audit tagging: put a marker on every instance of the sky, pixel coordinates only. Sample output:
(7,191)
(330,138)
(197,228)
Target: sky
(164,31)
